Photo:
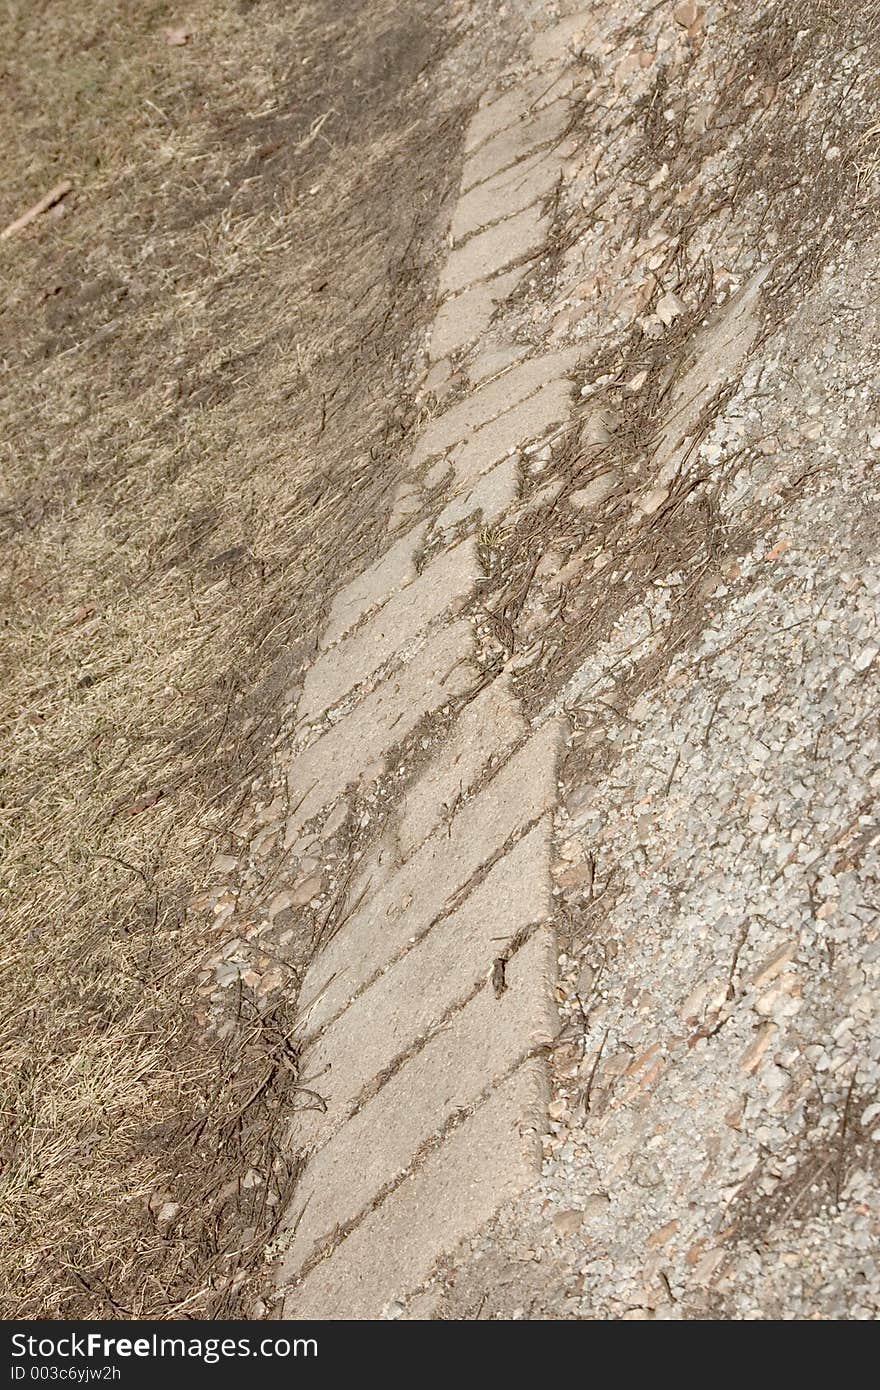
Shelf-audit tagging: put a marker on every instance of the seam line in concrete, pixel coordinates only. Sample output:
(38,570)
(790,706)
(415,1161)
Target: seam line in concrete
(374,1086)
(425,1149)
(451,905)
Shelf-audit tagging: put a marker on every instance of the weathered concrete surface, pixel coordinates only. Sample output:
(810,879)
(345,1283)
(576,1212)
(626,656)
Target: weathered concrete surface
(670,492)
(434,996)
(491,496)
(498,112)
(484,733)
(525,422)
(394,570)
(494,249)
(405,504)
(448,580)
(513,143)
(424,887)
(484,1162)
(492,401)
(472,1050)
(432,978)
(355,748)
(507,193)
(553,44)
(492,358)
(462,319)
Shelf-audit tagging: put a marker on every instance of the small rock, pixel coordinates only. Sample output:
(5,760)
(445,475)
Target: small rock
(661,1235)
(686,15)
(167,1215)
(280,903)
(774,964)
(572,568)
(599,427)
(567,1222)
(653,500)
(751,1058)
(576,877)
(549,563)
(586,979)
(336,820)
(306,890)
(595,492)
(669,306)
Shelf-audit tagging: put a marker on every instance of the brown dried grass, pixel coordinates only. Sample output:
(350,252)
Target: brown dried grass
(198,409)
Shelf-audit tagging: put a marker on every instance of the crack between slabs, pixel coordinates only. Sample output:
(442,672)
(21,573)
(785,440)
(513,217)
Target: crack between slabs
(429,1146)
(464,439)
(373,1087)
(531,113)
(452,904)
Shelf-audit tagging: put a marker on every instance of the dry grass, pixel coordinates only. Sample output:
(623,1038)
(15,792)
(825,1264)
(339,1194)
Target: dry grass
(199,413)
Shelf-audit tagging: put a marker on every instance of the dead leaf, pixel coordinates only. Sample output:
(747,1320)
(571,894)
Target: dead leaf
(778,549)
(686,15)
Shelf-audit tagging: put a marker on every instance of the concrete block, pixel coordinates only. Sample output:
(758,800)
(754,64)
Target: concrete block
(355,748)
(424,888)
(488,1161)
(488,120)
(406,502)
(393,570)
(509,192)
(492,359)
(483,735)
(435,976)
(514,143)
(552,45)
(494,249)
(459,321)
(475,1048)
(496,398)
(444,584)
(526,422)
(496,112)
(491,496)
